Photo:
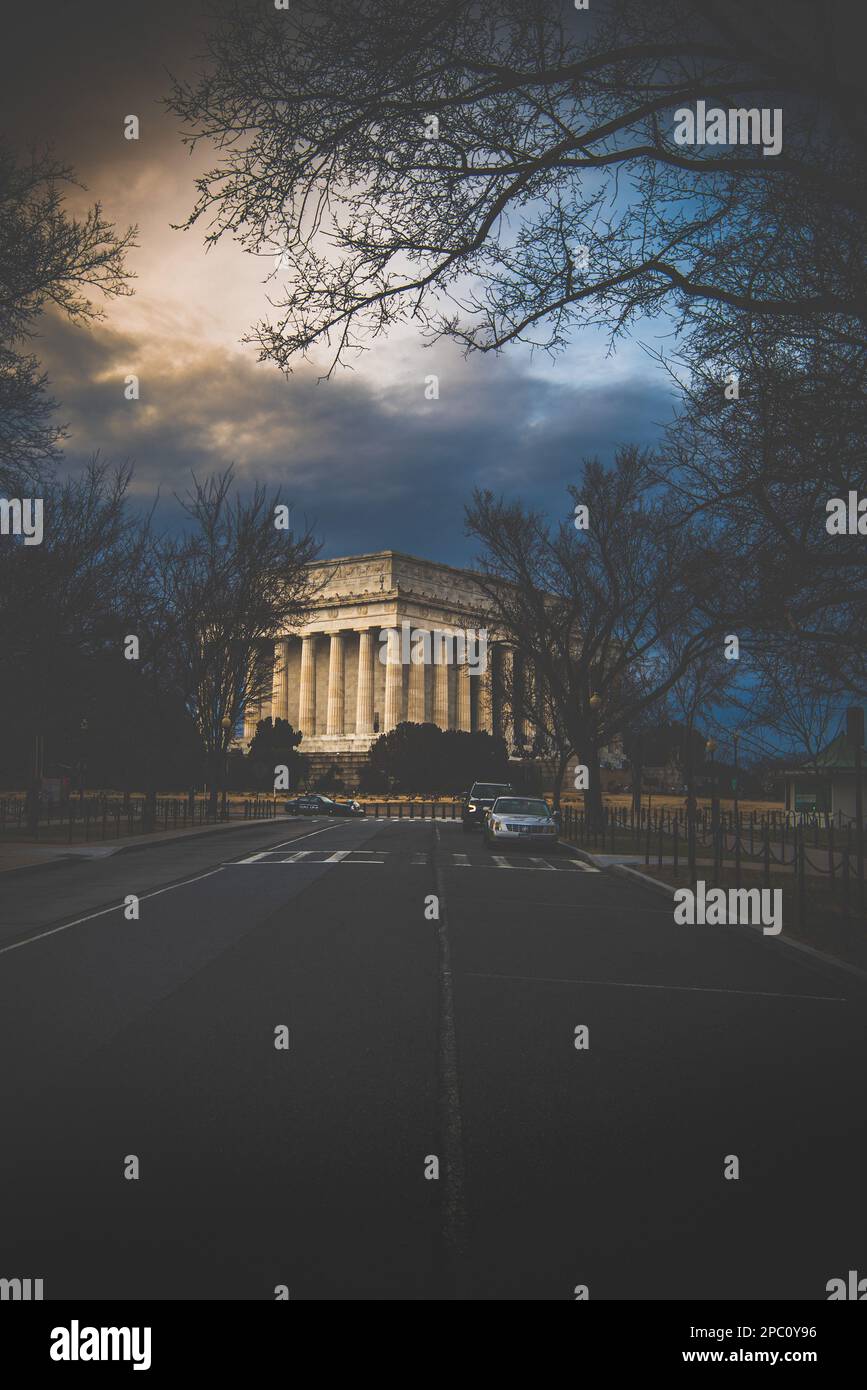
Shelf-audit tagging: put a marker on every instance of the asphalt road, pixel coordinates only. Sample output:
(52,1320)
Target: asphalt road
(413,1038)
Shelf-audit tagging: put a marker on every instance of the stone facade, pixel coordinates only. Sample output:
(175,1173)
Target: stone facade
(331,682)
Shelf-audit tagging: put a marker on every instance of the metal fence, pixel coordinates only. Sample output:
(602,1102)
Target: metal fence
(825,850)
(109,818)
(414,810)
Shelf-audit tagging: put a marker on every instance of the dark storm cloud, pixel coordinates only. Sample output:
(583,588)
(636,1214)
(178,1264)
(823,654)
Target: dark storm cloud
(364,455)
(376,467)
(70,71)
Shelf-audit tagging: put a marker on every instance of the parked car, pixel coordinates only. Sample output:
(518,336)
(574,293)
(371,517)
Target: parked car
(315,804)
(479,799)
(520,819)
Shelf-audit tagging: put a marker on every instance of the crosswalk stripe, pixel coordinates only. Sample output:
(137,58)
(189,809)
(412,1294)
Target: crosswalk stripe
(293,858)
(501,863)
(461,861)
(543,863)
(336,857)
(420,859)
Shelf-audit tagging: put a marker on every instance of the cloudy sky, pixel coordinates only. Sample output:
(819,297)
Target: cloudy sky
(363,455)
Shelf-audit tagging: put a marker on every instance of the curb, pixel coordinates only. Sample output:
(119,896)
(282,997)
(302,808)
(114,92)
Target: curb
(642,878)
(789,942)
(581,854)
(59,860)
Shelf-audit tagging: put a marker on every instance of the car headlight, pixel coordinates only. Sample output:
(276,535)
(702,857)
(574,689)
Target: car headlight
(471,807)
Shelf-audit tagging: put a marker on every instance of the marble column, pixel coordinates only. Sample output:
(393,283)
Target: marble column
(280,692)
(393,713)
(507,696)
(307,687)
(335,685)
(415,697)
(485,697)
(364,700)
(534,691)
(518,714)
(465,697)
(441,682)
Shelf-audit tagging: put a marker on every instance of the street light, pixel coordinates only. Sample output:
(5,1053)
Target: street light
(710,748)
(226,725)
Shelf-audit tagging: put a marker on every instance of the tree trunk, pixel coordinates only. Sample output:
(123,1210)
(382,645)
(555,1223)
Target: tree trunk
(690,806)
(593,796)
(562,759)
(214,788)
(636,765)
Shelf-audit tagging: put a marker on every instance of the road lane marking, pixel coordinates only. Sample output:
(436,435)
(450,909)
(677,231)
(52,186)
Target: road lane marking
(336,857)
(680,989)
(118,907)
(251,858)
(291,858)
(543,863)
(461,861)
(143,897)
(501,862)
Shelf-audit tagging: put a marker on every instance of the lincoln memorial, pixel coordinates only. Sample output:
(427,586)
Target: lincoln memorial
(331,683)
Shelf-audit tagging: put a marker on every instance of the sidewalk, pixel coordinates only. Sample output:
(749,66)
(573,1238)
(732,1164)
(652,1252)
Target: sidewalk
(632,866)
(17,857)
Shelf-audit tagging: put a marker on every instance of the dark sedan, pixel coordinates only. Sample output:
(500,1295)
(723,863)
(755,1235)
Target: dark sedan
(479,799)
(314,804)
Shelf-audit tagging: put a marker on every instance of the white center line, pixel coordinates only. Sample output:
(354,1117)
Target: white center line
(681,989)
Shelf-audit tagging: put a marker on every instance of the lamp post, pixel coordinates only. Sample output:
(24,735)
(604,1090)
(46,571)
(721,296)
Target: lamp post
(594,802)
(710,749)
(226,724)
(82,763)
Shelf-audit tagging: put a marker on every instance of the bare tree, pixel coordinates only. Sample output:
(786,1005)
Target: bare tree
(47,258)
(760,471)
(62,604)
(592,610)
(498,170)
(230,586)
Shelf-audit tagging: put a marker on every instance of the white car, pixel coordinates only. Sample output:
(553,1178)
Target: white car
(520,819)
